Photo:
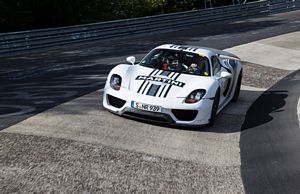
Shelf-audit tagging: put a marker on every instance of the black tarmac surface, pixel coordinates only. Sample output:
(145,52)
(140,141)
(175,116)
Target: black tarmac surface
(270,146)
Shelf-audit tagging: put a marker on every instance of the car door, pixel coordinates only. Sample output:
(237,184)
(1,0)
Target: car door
(223,82)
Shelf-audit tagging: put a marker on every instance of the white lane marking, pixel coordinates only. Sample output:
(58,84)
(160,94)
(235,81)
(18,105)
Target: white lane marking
(250,88)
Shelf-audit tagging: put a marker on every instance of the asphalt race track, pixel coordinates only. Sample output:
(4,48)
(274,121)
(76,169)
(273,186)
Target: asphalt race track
(270,140)
(56,137)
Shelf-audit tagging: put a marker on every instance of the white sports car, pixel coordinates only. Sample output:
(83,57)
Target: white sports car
(180,85)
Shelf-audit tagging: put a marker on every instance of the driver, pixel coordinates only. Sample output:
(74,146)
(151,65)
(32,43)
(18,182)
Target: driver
(198,67)
(194,68)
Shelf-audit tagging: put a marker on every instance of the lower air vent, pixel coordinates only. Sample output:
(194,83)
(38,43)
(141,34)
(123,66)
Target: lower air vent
(159,119)
(116,102)
(185,115)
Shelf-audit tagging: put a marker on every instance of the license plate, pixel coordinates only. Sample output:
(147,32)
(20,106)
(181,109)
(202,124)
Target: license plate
(146,107)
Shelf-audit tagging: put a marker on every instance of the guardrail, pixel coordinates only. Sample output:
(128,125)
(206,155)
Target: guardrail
(16,42)
(277,6)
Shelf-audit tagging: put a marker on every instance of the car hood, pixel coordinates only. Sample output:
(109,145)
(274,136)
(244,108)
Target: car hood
(164,84)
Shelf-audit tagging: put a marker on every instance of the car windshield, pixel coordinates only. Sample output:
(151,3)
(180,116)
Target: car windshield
(177,61)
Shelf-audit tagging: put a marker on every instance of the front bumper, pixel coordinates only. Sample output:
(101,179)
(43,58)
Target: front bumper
(174,111)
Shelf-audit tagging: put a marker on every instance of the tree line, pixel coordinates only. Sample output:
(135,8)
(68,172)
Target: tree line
(16,15)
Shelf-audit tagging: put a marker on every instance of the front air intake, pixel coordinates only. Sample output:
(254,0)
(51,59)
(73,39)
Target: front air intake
(115,102)
(185,115)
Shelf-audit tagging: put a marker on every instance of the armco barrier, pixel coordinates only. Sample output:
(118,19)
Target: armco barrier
(277,6)
(15,42)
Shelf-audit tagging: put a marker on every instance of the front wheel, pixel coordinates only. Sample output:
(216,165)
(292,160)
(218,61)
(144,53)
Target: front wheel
(214,109)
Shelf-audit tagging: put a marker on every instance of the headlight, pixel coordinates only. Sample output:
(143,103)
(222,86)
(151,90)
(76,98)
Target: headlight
(115,82)
(195,96)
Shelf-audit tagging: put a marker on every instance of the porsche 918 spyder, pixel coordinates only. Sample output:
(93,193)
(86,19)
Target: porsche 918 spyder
(175,84)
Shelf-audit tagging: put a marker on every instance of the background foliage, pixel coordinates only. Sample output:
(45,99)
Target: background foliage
(16,15)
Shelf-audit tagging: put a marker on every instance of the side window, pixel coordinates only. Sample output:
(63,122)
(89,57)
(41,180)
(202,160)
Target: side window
(216,66)
(232,62)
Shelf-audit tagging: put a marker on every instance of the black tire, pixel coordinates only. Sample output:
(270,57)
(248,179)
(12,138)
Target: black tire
(237,88)
(214,109)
